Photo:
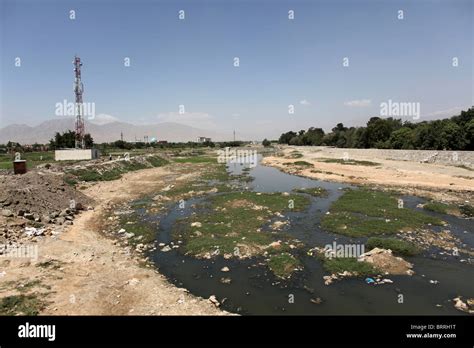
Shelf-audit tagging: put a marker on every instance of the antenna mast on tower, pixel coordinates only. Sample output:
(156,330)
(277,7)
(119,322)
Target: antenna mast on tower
(78,89)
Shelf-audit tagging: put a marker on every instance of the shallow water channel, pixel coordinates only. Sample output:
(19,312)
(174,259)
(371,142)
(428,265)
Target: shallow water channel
(255,290)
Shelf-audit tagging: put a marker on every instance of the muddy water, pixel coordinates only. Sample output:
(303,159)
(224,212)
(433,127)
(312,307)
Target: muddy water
(255,290)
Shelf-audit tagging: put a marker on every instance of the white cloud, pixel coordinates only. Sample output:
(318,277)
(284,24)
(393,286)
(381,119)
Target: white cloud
(305,102)
(446,113)
(361,103)
(193,119)
(101,119)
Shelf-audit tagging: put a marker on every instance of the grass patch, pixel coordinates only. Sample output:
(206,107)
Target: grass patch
(33,159)
(437,207)
(143,232)
(313,191)
(232,220)
(196,159)
(349,264)
(364,212)
(467,210)
(348,162)
(112,173)
(396,245)
(21,305)
(451,209)
(52,264)
(303,164)
(283,265)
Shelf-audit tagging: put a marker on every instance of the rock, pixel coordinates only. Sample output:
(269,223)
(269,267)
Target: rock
(196,224)
(386,262)
(225,269)
(32,231)
(46,219)
(166,249)
(122,230)
(132,282)
(434,282)
(214,301)
(60,220)
(128,235)
(7,213)
(316,300)
(29,216)
(275,245)
(460,305)
(64,212)
(285,194)
(226,280)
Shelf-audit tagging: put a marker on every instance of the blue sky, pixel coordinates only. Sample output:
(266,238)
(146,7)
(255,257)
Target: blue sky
(190,62)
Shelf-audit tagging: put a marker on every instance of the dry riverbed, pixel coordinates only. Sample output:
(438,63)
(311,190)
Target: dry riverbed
(450,182)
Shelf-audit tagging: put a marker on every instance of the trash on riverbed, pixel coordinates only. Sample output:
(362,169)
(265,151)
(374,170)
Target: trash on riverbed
(369,280)
(468,307)
(214,301)
(32,231)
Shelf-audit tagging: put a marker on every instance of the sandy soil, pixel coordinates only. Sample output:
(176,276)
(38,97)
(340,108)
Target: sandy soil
(437,181)
(90,275)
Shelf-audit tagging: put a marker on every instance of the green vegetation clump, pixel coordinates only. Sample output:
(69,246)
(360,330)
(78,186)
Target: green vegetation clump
(348,162)
(365,212)
(398,246)
(196,159)
(452,209)
(467,210)
(437,207)
(349,264)
(143,232)
(113,173)
(283,264)
(21,305)
(299,163)
(233,220)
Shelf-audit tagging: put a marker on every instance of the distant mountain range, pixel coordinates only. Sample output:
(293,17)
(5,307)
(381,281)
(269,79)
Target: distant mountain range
(108,132)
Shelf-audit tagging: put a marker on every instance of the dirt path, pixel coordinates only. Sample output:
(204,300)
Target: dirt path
(81,272)
(438,181)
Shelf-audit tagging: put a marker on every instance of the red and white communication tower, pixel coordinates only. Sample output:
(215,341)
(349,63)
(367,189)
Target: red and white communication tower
(78,89)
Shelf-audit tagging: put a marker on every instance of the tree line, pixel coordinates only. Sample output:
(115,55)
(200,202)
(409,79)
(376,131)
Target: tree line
(455,133)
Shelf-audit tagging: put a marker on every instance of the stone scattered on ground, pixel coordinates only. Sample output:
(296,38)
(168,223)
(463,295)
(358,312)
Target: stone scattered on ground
(386,262)
(467,306)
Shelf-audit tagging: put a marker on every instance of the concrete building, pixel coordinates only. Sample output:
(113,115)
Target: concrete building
(76,154)
(203,140)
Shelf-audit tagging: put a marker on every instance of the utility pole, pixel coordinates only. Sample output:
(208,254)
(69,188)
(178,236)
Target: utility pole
(78,89)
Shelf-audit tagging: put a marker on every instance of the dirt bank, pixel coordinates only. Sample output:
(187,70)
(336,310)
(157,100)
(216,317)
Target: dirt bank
(438,181)
(81,272)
